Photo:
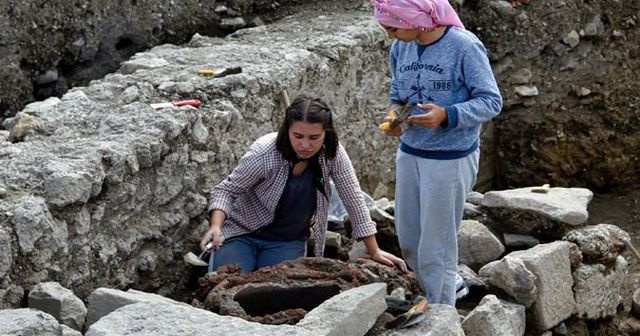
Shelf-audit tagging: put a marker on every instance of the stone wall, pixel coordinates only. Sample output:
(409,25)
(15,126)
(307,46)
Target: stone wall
(47,47)
(98,188)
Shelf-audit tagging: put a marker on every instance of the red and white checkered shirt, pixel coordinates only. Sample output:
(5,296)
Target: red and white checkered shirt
(250,194)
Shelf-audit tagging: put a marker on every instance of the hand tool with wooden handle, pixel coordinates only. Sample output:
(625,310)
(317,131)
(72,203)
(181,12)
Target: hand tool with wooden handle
(190,102)
(398,116)
(412,317)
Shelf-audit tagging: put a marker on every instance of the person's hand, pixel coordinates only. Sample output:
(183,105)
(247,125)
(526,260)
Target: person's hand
(396,131)
(390,260)
(435,115)
(212,235)
(386,122)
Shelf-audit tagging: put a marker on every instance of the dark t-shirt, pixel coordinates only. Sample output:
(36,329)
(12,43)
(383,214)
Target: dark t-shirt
(296,207)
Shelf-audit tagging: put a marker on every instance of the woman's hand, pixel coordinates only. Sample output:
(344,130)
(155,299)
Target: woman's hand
(214,234)
(381,256)
(386,122)
(396,131)
(434,117)
(390,260)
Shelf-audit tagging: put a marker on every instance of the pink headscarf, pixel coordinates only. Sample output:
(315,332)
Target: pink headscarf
(416,14)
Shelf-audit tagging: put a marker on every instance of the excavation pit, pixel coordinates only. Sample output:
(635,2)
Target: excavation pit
(269,299)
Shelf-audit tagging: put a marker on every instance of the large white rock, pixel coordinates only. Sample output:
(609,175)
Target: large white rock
(350,313)
(27,321)
(154,319)
(103,301)
(60,302)
(598,289)
(494,317)
(566,205)
(551,264)
(477,245)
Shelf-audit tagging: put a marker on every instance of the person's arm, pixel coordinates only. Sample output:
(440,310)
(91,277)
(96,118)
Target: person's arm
(363,227)
(485,101)
(394,97)
(381,256)
(249,171)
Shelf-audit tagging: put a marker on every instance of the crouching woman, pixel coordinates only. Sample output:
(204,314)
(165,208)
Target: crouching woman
(278,195)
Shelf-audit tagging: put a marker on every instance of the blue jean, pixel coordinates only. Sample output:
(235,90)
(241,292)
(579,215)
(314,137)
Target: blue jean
(430,197)
(252,253)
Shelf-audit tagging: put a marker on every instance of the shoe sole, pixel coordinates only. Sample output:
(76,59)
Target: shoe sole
(462,292)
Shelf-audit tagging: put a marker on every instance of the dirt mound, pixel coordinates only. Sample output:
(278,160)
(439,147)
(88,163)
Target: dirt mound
(581,128)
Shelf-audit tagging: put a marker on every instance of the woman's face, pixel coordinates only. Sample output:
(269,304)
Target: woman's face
(306,138)
(405,35)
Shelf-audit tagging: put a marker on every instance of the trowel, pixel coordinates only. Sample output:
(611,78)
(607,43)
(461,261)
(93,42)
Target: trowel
(194,260)
(414,316)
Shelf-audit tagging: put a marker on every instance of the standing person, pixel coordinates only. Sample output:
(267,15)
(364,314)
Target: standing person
(278,195)
(443,72)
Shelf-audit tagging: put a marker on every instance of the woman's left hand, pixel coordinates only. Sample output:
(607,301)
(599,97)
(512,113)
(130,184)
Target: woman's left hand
(390,260)
(435,115)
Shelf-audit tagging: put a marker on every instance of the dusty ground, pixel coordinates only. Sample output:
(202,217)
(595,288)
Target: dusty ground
(582,128)
(622,209)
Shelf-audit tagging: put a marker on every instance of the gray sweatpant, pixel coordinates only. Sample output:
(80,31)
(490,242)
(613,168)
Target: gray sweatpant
(430,197)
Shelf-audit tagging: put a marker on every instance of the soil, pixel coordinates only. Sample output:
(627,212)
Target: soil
(621,209)
(582,127)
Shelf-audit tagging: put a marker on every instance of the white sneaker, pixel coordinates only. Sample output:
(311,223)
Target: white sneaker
(462,292)
(461,289)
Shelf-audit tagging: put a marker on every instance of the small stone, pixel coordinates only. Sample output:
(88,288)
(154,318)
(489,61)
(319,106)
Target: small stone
(572,39)
(522,76)
(561,329)
(595,27)
(635,309)
(235,23)
(583,92)
(257,21)
(634,324)
(520,241)
(221,9)
(47,77)
(503,8)
(526,90)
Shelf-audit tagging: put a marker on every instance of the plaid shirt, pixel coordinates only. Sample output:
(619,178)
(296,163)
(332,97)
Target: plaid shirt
(249,195)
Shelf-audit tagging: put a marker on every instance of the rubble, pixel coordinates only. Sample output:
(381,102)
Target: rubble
(102,192)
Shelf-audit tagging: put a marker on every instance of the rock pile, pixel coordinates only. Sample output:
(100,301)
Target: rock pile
(521,285)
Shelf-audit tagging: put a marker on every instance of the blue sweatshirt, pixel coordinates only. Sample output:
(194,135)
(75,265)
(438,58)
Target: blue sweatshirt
(452,72)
